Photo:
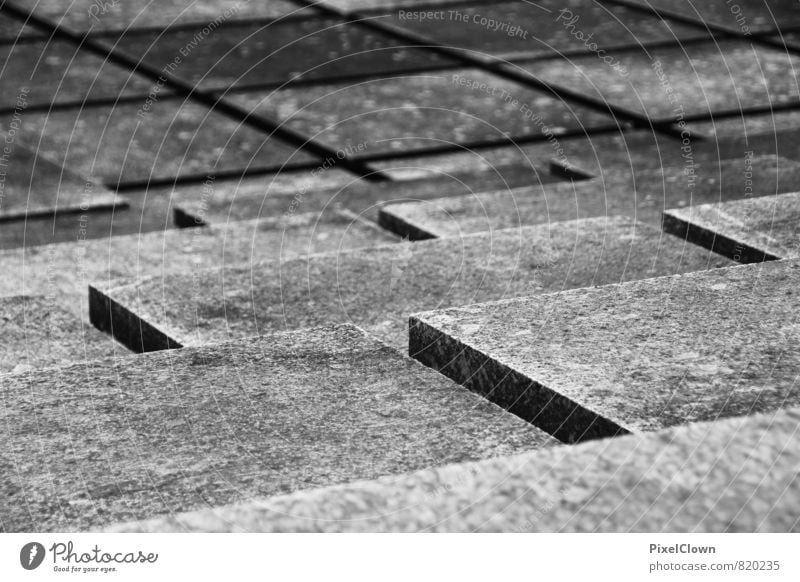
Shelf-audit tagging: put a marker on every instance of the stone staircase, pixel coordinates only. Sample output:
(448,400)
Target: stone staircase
(393,274)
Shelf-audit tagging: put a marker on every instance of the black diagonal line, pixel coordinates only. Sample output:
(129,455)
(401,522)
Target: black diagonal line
(86,42)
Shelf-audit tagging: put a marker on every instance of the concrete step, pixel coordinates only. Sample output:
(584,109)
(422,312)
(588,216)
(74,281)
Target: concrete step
(747,231)
(176,431)
(639,356)
(734,475)
(643,195)
(64,270)
(38,332)
(378,288)
(331,189)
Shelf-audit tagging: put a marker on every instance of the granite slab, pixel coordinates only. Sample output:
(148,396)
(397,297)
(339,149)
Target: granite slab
(33,186)
(777,132)
(105,17)
(734,475)
(643,195)
(747,231)
(163,433)
(38,332)
(378,288)
(667,83)
(52,71)
(158,138)
(634,357)
(326,191)
(513,30)
(63,271)
(274,53)
(412,111)
(746,17)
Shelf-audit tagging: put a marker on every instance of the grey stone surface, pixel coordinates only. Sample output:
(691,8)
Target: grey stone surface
(170,138)
(91,16)
(777,132)
(378,288)
(709,77)
(643,195)
(38,332)
(63,271)
(420,110)
(748,230)
(13,30)
(31,185)
(734,475)
(368,5)
(53,71)
(325,191)
(260,54)
(640,356)
(547,28)
(189,429)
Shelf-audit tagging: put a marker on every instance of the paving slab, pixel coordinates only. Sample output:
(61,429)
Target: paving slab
(377,288)
(13,30)
(63,271)
(33,186)
(511,30)
(680,349)
(414,111)
(258,54)
(777,132)
(672,82)
(50,71)
(38,332)
(745,17)
(326,191)
(748,231)
(154,139)
(302,410)
(103,17)
(643,195)
(735,475)
(370,5)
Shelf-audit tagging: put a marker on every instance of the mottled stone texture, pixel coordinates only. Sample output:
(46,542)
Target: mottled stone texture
(640,356)
(379,288)
(64,270)
(736,475)
(741,17)
(92,444)
(747,231)
(643,195)
(39,332)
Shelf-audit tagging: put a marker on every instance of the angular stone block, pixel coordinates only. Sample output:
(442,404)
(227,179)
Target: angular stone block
(64,270)
(734,475)
(748,231)
(378,288)
(640,356)
(162,433)
(643,195)
(154,139)
(274,53)
(38,332)
(420,110)
(670,82)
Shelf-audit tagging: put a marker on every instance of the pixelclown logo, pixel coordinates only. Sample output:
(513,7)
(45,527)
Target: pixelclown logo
(31,555)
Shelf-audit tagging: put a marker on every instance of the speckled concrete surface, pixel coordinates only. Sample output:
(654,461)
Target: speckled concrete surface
(324,192)
(746,230)
(96,443)
(709,77)
(736,475)
(38,332)
(419,110)
(378,288)
(170,138)
(89,16)
(643,196)
(64,270)
(635,357)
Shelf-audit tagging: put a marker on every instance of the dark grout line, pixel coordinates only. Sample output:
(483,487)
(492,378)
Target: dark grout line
(85,42)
